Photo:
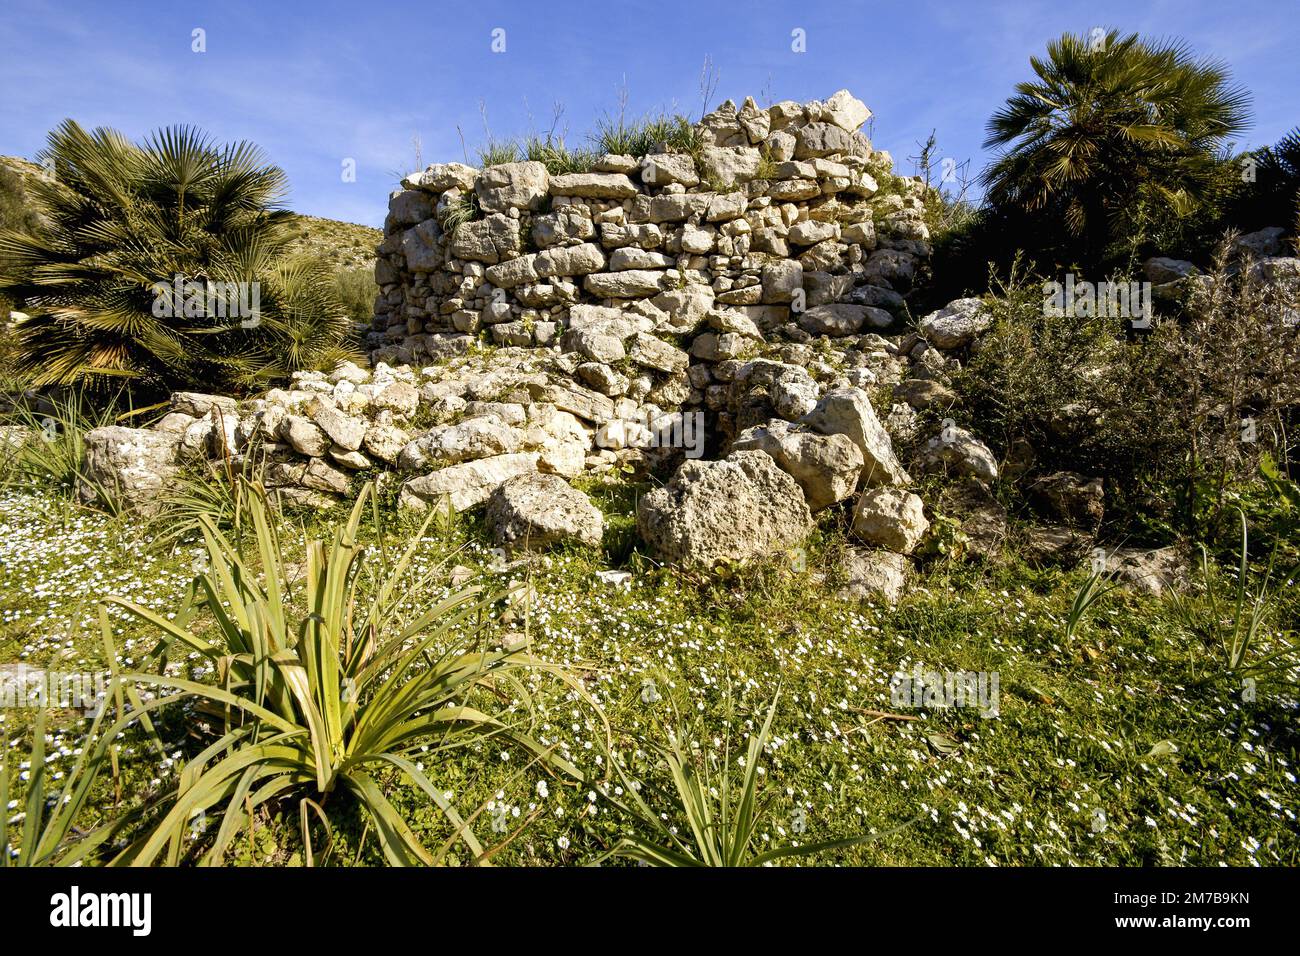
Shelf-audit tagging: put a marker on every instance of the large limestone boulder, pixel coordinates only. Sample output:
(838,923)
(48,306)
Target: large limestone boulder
(467,485)
(845,110)
(440,177)
(512,186)
(471,439)
(1153,572)
(594,185)
(198,404)
(840,319)
(535,511)
(957,324)
(868,575)
(739,508)
(128,466)
(848,412)
(956,450)
(890,518)
(1160,270)
(826,466)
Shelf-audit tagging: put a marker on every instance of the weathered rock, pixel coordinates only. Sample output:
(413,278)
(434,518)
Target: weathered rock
(628,284)
(536,511)
(128,466)
(848,412)
(739,508)
(890,518)
(342,430)
(593,185)
(729,165)
(923,393)
(471,439)
(198,405)
(1043,545)
(1265,242)
(1070,498)
(663,169)
(841,319)
(1153,572)
(439,177)
(827,467)
(1160,270)
(957,324)
(870,575)
(846,111)
(656,354)
(467,485)
(487,240)
(983,518)
(957,450)
(304,436)
(512,186)
(385,442)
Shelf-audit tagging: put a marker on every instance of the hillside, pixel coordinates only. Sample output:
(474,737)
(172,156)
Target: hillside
(338,244)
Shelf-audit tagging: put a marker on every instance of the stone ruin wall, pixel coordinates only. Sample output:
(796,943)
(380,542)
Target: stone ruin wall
(654,276)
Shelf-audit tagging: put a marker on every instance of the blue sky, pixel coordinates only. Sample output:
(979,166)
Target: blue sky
(316,83)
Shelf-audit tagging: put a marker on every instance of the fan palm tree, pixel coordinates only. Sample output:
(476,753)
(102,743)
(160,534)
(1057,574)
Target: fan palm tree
(1112,131)
(126,228)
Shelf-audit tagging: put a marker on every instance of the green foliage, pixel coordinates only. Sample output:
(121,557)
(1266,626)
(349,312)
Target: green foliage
(1097,586)
(498,152)
(1233,623)
(356,290)
(1116,138)
(617,134)
(332,689)
(1164,417)
(1272,198)
(463,210)
(51,827)
(53,451)
(557,157)
(723,806)
(125,221)
(1035,377)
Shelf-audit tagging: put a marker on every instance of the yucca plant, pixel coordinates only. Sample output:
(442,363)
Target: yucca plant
(124,223)
(723,809)
(1234,625)
(1097,586)
(52,829)
(51,455)
(330,689)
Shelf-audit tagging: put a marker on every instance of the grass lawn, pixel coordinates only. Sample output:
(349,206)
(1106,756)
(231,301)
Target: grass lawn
(1129,745)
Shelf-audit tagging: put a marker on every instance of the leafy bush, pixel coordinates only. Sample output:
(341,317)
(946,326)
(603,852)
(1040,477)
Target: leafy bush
(356,290)
(51,456)
(1234,624)
(330,689)
(1273,197)
(1185,411)
(127,222)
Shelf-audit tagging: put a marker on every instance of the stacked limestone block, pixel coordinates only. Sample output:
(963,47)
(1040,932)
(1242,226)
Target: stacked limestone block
(775,228)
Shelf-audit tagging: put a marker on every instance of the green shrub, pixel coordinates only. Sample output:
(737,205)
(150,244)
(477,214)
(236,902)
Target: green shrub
(356,290)
(722,804)
(1176,419)
(129,222)
(616,134)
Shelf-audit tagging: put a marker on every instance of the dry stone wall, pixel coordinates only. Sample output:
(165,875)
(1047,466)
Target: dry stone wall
(654,276)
